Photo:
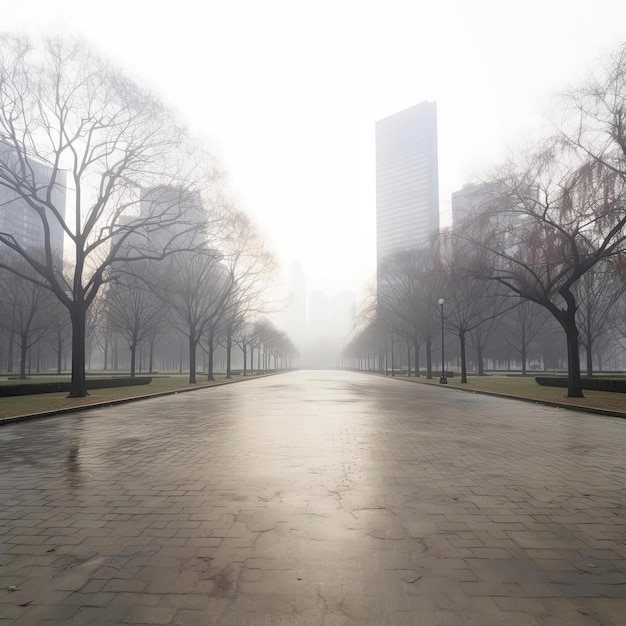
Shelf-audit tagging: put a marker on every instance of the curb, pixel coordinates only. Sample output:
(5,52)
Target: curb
(99,405)
(551,403)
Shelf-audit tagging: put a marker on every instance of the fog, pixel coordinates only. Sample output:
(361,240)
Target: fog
(287,97)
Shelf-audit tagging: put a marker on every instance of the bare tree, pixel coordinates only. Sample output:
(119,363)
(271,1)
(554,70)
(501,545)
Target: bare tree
(551,226)
(60,333)
(522,325)
(250,265)
(409,285)
(24,310)
(71,123)
(468,303)
(134,310)
(597,292)
(194,286)
(242,333)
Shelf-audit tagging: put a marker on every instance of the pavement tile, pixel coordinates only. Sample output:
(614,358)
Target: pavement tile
(149,615)
(315,498)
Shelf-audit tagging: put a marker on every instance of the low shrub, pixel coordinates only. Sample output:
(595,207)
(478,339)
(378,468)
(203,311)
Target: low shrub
(27,389)
(617,385)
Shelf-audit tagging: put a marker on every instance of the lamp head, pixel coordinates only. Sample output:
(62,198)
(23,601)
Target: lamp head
(441,301)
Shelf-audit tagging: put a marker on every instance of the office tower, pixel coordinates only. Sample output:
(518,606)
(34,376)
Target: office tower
(295,315)
(468,201)
(318,314)
(17,217)
(407,186)
(341,312)
(170,216)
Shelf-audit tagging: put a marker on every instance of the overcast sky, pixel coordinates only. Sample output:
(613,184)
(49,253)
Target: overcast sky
(289,91)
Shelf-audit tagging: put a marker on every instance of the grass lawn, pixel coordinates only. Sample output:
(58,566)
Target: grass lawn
(25,405)
(526,387)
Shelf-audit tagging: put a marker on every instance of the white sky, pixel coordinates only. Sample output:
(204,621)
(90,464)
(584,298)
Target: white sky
(289,91)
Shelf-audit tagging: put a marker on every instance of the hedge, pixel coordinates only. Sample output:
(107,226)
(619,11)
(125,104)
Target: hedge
(27,389)
(617,385)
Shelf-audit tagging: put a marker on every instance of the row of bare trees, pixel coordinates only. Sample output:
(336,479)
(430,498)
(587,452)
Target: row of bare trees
(546,242)
(482,324)
(129,325)
(90,157)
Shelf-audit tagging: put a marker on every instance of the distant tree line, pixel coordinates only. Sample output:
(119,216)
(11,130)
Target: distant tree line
(158,257)
(536,269)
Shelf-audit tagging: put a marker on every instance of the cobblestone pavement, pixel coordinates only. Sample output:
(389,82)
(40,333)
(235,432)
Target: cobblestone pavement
(325,498)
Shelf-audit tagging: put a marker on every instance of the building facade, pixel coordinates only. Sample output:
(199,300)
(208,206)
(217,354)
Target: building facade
(18,217)
(407,180)
(470,200)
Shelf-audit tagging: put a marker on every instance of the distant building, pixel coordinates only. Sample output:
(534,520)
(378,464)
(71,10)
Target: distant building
(342,311)
(17,217)
(295,315)
(468,201)
(168,218)
(318,314)
(496,199)
(407,180)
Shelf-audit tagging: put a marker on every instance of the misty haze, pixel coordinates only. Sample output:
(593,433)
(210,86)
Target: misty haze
(313,314)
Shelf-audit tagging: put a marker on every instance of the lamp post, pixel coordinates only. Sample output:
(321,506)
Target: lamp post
(443,380)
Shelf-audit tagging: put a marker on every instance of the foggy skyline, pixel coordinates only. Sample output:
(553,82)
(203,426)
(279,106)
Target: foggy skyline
(289,94)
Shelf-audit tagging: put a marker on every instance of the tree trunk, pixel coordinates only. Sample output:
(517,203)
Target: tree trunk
(23,350)
(574,383)
(416,352)
(133,354)
(479,357)
(429,358)
(192,358)
(408,359)
(115,355)
(244,349)
(209,375)
(523,359)
(463,357)
(151,357)
(567,319)
(106,351)
(589,355)
(229,347)
(78,385)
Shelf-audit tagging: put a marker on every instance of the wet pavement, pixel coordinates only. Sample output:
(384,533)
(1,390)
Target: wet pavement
(321,498)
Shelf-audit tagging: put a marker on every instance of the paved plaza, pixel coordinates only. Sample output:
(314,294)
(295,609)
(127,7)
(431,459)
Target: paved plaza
(315,498)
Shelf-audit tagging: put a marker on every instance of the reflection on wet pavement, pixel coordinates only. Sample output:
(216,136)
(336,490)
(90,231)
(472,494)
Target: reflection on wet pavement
(315,498)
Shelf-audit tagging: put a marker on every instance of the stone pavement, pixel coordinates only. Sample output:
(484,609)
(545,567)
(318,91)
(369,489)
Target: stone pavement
(315,498)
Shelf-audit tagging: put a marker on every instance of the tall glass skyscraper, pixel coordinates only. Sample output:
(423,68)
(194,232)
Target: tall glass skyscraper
(407,182)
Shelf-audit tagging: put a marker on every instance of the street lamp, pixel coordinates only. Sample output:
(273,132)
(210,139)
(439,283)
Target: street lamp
(443,380)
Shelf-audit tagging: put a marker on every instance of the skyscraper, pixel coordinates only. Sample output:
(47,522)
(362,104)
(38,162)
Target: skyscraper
(407,182)
(295,323)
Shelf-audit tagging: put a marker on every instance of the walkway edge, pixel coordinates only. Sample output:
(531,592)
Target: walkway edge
(552,403)
(99,405)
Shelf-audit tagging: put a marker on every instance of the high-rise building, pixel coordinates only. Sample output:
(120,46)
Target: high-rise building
(341,312)
(468,201)
(407,181)
(318,314)
(18,218)
(295,323)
